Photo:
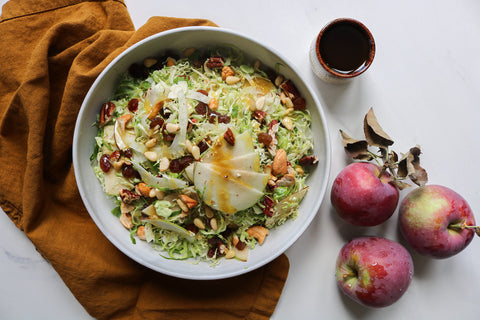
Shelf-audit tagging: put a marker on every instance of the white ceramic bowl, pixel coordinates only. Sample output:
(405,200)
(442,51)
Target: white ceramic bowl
(99,205)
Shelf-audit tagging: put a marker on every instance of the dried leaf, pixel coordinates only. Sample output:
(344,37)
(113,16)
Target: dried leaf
(409,166)
(400,184)
(356,149)
(477,231)
(374,133)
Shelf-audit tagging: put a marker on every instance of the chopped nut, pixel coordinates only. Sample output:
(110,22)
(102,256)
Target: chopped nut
(188,145)
(232,80)
(260,103)
(287,123)
(286,181)
(125,207)
(229,137)
(143,189)
(189,202)
(199,223)
(267,169)
(172,127)
(117,165)
(196,152)
(151,155)
(288,111)
(126,220)
(128,196)
(164,164)
(148,62)
(229,254)
(106,113)
(156,109)
(235,240)
(258,232)
(209,212)
(214,224)
(288,103)
(214,62)
(141,233)
(227,72)
(213,104)
(151,143)
(280,164)
(279,80)
(182,205)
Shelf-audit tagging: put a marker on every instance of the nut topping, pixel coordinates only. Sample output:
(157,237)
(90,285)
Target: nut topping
(228,135)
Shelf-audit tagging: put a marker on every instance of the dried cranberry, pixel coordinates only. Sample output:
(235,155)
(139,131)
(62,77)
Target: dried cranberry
(299,103)
(138,71)
(192,227)
(241,245)
(214,241)
(214,116)
(105,164)
(133,105)
(264,138)
(128,171)
(201,108)
(178,165)
(203,146)
(157,121)
(168,137)
(128,153)
(212,252)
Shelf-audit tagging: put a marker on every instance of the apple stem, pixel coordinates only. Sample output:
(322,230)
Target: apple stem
(463,225)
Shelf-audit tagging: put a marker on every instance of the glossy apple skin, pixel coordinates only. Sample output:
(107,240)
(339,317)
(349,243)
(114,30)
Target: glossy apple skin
(361,198)
(424,218)
(383,268)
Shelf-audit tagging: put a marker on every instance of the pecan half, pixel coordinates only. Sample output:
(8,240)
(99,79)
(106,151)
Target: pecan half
(290,89)
(228,136)
(106,113)
(128,196)
(308,161)
(215,62)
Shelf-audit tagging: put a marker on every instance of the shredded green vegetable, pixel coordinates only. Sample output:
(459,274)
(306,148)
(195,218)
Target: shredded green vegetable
(184,103)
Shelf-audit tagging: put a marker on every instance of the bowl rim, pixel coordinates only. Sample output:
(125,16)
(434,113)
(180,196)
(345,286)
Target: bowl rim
(326,164)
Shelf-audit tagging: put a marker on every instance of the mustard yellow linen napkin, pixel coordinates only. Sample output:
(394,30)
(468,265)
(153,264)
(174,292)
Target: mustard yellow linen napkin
(51,52)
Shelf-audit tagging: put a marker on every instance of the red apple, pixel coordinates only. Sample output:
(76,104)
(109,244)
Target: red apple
(374,271)
(362,194)
(436,221)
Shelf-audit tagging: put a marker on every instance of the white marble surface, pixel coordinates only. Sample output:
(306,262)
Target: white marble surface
(423,86)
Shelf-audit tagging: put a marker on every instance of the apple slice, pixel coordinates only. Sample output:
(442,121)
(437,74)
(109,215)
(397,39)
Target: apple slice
(221,190)
(113,183)
(158,182)
(222,151)
(241,255)
(249,161)
(189,235)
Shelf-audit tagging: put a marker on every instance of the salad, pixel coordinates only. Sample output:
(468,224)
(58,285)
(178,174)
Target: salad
(203,152)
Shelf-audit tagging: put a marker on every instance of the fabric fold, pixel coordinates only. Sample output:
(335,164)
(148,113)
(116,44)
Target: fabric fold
(56,49)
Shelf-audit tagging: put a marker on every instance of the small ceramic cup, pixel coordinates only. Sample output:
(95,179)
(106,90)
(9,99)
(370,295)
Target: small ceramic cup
(341,44)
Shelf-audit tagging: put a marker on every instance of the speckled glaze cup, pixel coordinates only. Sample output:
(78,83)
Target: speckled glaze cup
(321,66)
